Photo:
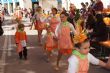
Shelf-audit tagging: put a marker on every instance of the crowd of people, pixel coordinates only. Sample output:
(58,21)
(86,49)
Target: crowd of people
(68,32)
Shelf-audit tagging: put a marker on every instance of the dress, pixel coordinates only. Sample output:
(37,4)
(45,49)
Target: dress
(40,21)
(54,21)
(65,44)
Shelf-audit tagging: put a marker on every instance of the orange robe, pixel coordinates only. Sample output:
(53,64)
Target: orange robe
(39,24)
(64,40)
(18,15)
(20,36)
(53,23)
(49,42)
(83,65)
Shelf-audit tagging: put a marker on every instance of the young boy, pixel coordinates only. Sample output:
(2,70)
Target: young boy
(80,59)
(21,39)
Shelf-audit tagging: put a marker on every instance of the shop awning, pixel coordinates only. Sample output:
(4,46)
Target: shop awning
(10,1)
(34,0)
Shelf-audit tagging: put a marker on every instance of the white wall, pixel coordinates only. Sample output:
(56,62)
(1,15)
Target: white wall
(48,4)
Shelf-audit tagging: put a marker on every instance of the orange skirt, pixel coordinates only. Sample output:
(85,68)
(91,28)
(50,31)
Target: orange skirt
(66,51)
(39,25)
(49,49)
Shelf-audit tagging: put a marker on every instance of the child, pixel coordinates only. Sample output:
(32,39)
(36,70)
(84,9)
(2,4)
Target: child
(62,33)
(21,39)
(49,43)
(80,59)
(40,23)
(54,19)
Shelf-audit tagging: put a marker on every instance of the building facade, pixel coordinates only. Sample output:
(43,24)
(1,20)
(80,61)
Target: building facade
(10,5)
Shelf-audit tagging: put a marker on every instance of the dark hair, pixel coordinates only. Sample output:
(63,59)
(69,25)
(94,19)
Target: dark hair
(55,9)
(20,26)
(78,45)
(99,17)
(64,13)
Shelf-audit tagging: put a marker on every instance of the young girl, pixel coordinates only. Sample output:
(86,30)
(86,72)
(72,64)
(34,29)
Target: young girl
(62,33)
(54,19)
(80,59)
(49,43)
(21,39)
(40,22)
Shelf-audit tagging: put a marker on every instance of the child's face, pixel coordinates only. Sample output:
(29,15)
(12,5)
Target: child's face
(63,17)
(84,49)
(54,11)
(22,28)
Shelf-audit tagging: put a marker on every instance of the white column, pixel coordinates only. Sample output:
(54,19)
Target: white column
(9,10)
(2,3)
(14,5)
(21,3)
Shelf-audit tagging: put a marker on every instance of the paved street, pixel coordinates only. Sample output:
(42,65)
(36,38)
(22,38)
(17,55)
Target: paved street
(9,62)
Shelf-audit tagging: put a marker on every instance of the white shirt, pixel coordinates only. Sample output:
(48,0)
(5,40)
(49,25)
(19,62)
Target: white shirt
(59,27)
(73,62)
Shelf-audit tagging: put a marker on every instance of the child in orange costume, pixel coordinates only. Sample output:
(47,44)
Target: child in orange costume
(54,19)
(49,42)
(80,59)
(40,19)
(21,39)
(62,33)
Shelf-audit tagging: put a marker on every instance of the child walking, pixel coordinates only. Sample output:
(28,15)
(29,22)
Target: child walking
(21,39)
(80,59)
(62,33)
(49,42)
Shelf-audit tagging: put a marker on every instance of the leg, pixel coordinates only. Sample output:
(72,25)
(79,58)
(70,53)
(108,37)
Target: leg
(39,36)
(20,55)
(25,53)
(58,60)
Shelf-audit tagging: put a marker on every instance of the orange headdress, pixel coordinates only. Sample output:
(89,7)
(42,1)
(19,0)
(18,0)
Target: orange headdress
(81,36)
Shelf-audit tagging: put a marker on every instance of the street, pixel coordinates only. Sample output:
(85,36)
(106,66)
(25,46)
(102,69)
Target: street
(10,63)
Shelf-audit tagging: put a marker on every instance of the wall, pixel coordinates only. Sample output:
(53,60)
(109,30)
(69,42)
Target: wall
(48,4)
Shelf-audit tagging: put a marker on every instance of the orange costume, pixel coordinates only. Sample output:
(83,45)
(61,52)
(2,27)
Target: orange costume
(81,36)
(40,21)
(18,15)
(64,40)
(49,42)
(54,21)
(83,65)
(20,37)
(79,63)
